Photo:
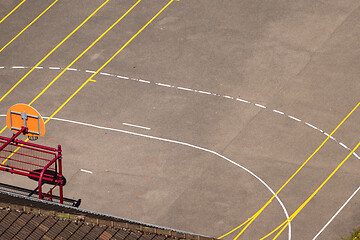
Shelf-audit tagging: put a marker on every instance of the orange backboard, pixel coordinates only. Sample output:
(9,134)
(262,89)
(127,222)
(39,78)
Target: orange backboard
(20,115)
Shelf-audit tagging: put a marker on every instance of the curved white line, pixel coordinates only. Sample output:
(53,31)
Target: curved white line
(200,148)
(188,145)
(338,211)
(191,90)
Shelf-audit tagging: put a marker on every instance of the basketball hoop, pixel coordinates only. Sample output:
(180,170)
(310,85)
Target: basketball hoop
(33,138)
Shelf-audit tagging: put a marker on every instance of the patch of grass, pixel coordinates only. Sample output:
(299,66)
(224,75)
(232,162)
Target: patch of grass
(355,235)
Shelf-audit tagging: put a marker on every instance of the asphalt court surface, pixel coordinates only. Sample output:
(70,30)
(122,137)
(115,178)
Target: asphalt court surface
(259,83)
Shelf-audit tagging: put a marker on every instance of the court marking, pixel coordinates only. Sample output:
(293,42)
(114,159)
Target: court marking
(118,130)
(191,90)
(137,126)
(183,144)
(12,11)
(289,220)
(292,176)
(28,26)
(109,60)
(57,46)
(338,211)
(87,171)
(82,54)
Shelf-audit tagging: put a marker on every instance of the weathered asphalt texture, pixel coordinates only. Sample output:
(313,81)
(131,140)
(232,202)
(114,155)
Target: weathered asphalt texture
(296,57)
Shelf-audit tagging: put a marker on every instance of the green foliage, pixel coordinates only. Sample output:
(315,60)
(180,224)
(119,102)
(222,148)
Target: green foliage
(355,235)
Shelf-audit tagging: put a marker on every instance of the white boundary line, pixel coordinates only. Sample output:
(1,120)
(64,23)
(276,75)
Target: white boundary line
(338,211)
(137,126)
(195,91)
(188,145)
(87,171)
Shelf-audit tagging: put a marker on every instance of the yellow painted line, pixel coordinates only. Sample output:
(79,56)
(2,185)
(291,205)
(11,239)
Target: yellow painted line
(13,152)
(314,193)
(90,79)
(235,228)
(28,26)
(67,37)
(307,160)
(107,62)
(87,49)
(12,11)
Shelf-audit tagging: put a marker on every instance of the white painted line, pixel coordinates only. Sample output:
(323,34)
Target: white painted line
(208,93)
(16,67)
(326,134)
(88,71)
(137,126)
(134,79)
(54,68)
(312,126)
(242,100)
(118,76)
(106,74)
(39,68)
(143,81)
(87,171)
(338,211)
(186,89)
(258,105)
(333,138)
(343,145)
(228,97)
(72,69)
(278,112)
(191,146)
(357,156)
(2,67)
(296,119)
(164,85)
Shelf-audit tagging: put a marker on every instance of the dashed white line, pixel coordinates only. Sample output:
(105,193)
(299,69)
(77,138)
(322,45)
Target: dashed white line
(276,111)
(258,105)
(343,145)
(87,171)
(312,126)
(242,100)
(118,76)
(228,97)
(144,81)
(106,74)
(186,89)
(137,126)
(164,85)
(203,92)
(296,119)
(54,68)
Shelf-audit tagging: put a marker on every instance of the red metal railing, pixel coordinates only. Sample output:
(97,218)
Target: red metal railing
(35,161)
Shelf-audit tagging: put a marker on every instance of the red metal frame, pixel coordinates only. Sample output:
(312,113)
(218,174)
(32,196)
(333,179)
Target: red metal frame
(50,159)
